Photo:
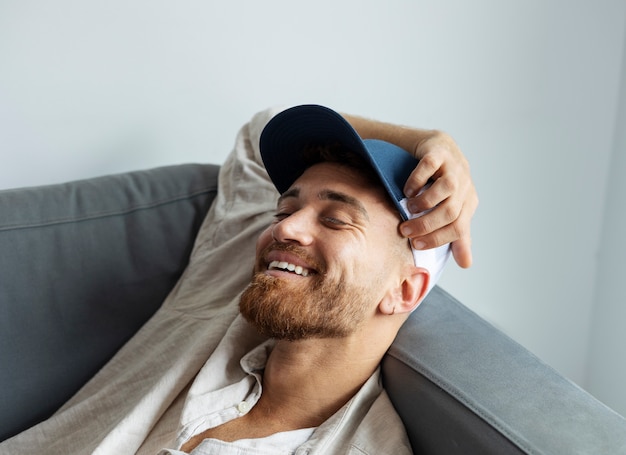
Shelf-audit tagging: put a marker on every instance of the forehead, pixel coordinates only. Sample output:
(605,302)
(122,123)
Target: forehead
(347,180)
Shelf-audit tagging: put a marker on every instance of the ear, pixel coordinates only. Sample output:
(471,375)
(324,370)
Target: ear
(410,292)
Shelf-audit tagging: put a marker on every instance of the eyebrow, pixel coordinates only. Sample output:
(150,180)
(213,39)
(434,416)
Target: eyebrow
(330,195)
(290,193)
(344,199)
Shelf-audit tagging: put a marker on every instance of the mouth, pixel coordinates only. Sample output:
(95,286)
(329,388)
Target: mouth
(286,260)
(289,267)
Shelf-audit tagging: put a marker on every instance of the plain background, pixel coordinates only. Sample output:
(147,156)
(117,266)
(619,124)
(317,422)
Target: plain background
(533,91)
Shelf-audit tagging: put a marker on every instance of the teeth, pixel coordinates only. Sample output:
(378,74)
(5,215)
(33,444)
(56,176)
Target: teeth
(282,265)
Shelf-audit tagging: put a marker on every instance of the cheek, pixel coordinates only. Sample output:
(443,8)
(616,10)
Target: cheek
(264,240)
(354,264)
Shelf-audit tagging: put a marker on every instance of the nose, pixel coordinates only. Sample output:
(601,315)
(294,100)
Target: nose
(295,228)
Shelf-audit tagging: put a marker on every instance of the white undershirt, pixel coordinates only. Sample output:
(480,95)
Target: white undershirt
(211,408)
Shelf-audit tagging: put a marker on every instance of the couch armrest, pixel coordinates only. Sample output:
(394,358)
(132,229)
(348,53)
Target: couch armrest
(83,266)
(461,386)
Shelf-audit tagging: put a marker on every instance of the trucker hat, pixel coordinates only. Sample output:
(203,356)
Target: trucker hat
(288,133)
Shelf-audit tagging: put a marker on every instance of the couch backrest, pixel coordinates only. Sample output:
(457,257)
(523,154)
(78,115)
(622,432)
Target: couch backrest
(124,240)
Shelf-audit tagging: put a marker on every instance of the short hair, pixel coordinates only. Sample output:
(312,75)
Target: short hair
(340,154)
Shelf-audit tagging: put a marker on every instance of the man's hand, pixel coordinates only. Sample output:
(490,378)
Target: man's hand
(452,198)
(452,195)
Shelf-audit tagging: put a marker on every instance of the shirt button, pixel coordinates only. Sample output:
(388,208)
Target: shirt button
(243,407)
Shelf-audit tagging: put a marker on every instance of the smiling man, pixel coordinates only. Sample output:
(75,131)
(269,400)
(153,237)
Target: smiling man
(333,282)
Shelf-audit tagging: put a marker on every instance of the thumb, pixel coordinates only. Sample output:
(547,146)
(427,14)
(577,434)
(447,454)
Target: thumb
(462,251)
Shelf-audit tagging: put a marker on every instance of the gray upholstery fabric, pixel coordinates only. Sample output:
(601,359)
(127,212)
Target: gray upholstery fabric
(82,266)
(463,387)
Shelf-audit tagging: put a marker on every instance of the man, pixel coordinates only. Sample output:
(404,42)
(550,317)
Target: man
(334,280)
(197,376)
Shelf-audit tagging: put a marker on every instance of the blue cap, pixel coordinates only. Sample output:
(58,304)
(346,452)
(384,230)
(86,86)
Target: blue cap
(288,133)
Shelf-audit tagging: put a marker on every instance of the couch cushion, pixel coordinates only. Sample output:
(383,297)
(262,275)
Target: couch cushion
(90,260)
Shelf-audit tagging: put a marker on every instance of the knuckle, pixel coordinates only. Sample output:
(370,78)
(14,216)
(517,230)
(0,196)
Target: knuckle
(450,212)
(448,184)
(425,201)
(422,224)
(437,239)
(429,162)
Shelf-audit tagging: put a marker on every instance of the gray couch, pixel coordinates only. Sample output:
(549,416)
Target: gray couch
(84,264)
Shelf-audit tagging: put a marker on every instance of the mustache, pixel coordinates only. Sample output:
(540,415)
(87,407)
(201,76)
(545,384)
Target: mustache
(295,250)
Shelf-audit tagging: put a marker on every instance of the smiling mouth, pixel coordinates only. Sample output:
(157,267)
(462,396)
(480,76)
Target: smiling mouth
(288,267)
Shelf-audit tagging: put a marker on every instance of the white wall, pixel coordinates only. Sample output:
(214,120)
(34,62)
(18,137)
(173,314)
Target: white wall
(529,90)
(606,365)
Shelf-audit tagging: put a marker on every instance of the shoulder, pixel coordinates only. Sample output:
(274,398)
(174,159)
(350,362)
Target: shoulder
(381,431)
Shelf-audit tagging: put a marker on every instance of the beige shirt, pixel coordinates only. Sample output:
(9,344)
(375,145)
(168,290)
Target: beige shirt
(136,402)
(217,398)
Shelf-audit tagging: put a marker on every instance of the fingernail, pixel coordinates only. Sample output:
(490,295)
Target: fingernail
(406,230)
(418,244)
(412,207)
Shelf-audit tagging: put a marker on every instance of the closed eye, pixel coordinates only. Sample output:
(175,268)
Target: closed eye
(334,221)
(279,216)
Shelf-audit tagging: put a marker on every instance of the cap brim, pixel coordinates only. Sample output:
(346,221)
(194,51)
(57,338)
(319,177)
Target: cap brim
(289,132)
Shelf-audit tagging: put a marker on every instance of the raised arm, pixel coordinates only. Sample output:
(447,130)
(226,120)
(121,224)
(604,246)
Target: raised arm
(452,196)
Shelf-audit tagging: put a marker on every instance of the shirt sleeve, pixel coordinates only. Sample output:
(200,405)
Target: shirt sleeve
(223,255)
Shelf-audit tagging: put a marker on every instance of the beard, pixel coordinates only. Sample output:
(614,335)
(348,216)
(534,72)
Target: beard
(312,307)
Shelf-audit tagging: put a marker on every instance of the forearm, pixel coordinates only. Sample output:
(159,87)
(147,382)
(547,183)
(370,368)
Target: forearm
(405,137)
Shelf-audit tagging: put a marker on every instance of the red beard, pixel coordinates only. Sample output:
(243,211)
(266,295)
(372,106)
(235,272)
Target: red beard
(310,307)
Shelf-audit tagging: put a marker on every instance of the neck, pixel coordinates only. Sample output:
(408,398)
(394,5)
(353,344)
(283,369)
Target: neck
(306,382)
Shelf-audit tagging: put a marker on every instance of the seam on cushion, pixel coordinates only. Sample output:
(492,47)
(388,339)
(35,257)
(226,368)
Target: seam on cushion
(110,213)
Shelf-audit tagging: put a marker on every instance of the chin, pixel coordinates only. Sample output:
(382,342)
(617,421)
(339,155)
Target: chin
(283,310)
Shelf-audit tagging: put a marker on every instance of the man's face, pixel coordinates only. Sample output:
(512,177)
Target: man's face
(327,259)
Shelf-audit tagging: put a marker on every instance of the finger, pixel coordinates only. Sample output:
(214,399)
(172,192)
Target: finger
(444,214)
(441,236)
(462,252)
(442,189)
(426,169)
(461,247)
